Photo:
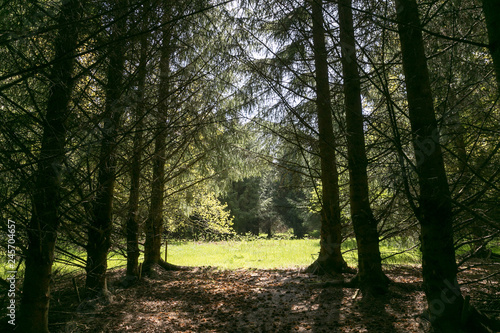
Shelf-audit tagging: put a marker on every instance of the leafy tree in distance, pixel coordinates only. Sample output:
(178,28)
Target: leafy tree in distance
(243,202)
(290,203)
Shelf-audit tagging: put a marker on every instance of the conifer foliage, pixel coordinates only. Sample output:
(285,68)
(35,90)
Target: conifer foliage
(124,124)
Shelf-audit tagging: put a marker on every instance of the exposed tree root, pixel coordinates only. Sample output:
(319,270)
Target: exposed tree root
(149,270)
(319,268)
(171,267)
(130,280)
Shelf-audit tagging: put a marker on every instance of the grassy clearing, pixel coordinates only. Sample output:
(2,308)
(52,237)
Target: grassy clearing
(245,254)
(269,254)
(259,253)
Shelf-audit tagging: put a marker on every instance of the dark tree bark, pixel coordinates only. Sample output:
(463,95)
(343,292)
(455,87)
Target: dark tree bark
(439,269)
(491,10)
(100,228)
(135,172)
(330,257)
(154,223)
(370,275)
(45,219)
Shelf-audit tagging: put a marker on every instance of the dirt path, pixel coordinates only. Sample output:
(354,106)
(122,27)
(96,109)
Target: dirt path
(206,300)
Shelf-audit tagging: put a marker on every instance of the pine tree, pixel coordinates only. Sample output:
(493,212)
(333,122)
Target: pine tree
(154,223)
(330,256)
(439,267)
(132,224)
(370,275)
(100,228)
(43,227)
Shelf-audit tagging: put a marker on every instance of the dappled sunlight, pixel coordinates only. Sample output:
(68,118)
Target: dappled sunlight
(285,300)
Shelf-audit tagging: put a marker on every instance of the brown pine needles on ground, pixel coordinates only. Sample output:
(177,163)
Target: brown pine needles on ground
(246,300)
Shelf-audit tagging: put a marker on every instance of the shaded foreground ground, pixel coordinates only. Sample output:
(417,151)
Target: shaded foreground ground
(208,300)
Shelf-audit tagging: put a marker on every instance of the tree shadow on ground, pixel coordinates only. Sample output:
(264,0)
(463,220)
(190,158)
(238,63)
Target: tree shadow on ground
(371,310)
(395,311)
(329,300)
(209,300)
(218,301)
(206,300)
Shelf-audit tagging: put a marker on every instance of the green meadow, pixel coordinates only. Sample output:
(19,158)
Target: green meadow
(264,254)
(258,253)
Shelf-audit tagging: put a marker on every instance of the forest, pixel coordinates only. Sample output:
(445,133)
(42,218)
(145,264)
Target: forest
(356,133)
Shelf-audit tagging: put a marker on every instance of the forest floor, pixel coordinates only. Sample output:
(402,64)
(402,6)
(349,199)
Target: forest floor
(248,300)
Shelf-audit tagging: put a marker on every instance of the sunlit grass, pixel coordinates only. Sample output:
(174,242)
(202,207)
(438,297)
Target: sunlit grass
(265,254)
(269,254)
(258,253)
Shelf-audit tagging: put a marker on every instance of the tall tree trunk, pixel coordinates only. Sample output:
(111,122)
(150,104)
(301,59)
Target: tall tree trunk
(370,275)
(491,10)
(439,267)
(99,231)
(45,219)
(135,172)
(330,257)
(463,182)
(154,223)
